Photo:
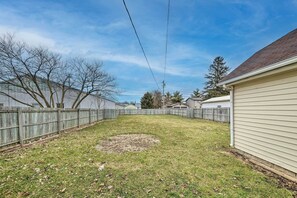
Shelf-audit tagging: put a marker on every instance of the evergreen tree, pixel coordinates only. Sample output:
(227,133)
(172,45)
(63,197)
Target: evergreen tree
(177,97)
(197,94)
(133,102)
(216,72)
(147,101)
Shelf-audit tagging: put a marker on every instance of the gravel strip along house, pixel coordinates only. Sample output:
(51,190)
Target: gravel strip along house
(264,105)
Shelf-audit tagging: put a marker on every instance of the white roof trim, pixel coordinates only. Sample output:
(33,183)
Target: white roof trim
(262,70)
(217,99)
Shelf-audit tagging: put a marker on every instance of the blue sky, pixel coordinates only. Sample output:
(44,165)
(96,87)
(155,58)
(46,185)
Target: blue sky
(199,31)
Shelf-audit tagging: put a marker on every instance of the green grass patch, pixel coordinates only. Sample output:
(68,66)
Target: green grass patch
(187,163)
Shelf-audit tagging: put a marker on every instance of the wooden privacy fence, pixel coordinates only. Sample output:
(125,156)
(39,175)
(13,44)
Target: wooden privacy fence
(19,125)
(218,114)
(23,125)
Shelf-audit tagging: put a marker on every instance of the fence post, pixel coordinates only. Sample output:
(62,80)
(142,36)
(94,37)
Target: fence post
(59,120)
(20,123)
(90,116)
(228,114)
(202,113)
(213,117)
(97,115)
(78,114)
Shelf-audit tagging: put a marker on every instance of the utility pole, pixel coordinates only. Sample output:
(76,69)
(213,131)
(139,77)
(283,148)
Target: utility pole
(163,86)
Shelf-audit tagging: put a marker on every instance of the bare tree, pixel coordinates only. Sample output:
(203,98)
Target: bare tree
(46,78)
(90,79)
(157,99)
(27,69)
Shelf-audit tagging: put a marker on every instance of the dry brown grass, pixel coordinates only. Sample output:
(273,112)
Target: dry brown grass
(127,143)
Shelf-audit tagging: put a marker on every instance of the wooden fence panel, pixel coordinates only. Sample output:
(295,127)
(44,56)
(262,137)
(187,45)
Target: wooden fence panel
(69,119)
(8,127)
(100,114)
(179,112)
(93,115)
(197,113)
(142,111)
(110,113)
(37,123)
(84,116)
(221,115)
(208,114)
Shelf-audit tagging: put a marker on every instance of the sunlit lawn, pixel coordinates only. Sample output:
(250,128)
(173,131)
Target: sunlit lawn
(189,162)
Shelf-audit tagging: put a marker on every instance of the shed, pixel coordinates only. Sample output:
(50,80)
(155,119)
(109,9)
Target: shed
(194,102)
(264,104)
(217,102)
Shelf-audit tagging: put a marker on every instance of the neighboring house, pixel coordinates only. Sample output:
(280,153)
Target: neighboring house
(217,102)
(91,101)
(264,104)
(130,106)
(179,106)
(138,105)
(168,106)
(194,103)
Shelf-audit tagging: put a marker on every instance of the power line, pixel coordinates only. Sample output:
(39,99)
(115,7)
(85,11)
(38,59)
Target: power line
(166,41)
(140,44)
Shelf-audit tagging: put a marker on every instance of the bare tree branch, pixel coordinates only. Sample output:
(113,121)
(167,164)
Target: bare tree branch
(8,95)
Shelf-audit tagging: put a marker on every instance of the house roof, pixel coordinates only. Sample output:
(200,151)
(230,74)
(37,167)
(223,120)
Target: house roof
(217,99)
(280,50)
(194,99)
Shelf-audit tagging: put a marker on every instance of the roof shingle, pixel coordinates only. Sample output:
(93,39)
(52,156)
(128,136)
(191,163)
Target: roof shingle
(279,50)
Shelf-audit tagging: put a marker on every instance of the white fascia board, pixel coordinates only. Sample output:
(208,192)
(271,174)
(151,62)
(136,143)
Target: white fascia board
(260,71)
(215,101)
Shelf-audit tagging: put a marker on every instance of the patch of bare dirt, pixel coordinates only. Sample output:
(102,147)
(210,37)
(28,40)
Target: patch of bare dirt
(127,143)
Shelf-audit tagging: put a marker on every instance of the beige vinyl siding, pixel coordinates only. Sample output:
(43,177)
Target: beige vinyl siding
(265,118)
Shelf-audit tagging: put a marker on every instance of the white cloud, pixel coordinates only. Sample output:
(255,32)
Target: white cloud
(134,92)
(110,27)
(105,45)
(31,37)
(157,66)
(74,46)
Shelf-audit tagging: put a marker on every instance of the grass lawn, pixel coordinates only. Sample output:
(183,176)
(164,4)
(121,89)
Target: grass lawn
(188,162)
